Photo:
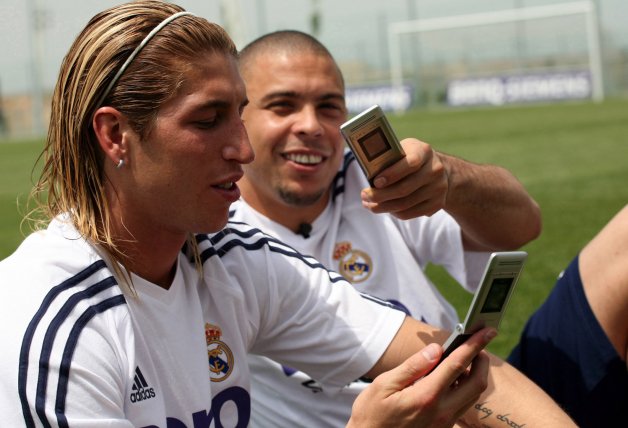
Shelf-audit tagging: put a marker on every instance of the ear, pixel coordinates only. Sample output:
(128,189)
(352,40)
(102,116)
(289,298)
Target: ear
(109,125)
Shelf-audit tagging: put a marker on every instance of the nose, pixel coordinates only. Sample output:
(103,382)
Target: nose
(240,149)
(307,122)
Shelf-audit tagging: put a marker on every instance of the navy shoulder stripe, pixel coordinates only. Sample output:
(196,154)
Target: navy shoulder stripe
(68,351)
(241,235)
(381,302)
(338,184)
(84,286)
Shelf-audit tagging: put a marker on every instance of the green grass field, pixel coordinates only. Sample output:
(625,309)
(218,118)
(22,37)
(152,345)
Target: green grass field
(573,158)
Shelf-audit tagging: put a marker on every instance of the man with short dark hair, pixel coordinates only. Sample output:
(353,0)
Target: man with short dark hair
(305,188)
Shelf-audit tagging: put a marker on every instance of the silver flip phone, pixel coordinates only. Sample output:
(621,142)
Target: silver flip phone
(491,298)
(373,141)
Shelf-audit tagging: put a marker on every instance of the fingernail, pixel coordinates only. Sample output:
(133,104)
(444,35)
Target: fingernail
(365,197)
(379,182)
(431,352)
(490,334)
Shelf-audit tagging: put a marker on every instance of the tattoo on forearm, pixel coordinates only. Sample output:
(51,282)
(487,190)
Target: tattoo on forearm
(482,409)
(486,412)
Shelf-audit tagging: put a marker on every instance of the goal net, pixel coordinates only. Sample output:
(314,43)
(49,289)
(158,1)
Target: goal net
(516,55)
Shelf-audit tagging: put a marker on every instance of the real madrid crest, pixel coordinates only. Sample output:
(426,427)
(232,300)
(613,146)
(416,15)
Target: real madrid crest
(354,265)
(219,354)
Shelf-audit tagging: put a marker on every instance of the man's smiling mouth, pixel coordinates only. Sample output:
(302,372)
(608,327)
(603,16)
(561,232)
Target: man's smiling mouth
(304,159)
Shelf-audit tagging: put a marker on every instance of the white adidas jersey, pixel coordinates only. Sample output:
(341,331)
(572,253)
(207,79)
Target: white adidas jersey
(381,256)
(79,351)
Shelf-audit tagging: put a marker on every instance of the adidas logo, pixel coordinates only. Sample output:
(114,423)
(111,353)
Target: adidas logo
(141,390)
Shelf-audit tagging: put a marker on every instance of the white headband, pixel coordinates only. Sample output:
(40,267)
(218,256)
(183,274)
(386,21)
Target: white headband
(137,50)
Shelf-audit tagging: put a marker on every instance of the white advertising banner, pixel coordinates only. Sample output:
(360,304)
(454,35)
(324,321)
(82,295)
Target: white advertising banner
(388,97)
(500,90)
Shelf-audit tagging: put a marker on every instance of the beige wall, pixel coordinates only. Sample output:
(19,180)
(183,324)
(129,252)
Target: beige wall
(18,115)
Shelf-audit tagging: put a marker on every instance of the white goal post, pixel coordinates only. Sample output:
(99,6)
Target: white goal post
(585,8)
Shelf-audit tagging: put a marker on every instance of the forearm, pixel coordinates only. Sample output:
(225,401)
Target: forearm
(512,400)
(411,338)
(509,395)
(492,207)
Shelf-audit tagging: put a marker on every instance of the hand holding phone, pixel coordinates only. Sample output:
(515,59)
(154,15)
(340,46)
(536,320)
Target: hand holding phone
(373,141)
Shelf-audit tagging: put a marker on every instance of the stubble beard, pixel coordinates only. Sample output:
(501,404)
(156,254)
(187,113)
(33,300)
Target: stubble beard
(299,200)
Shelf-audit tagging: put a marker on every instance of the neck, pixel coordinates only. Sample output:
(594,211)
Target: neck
(149,253)
(288,215)
(157,267)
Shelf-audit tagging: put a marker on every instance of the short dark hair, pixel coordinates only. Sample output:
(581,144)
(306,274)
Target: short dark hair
(291,41)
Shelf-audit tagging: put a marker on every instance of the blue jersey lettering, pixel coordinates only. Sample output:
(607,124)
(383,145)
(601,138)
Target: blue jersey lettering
(203,419)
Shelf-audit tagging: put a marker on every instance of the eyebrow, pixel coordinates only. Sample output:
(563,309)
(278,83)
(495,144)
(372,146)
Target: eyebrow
(294,94)
(219,104)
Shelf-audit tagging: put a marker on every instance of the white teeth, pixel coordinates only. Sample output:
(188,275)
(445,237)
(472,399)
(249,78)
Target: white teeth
(304,159)
(227,186)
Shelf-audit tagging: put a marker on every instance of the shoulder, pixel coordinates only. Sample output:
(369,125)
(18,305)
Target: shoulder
(54,277)
(63,304)
(236,235)
(50,257)
(242,241)
(253,257)
(237,242)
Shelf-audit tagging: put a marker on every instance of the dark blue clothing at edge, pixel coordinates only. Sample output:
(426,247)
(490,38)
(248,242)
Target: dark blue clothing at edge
(565,351)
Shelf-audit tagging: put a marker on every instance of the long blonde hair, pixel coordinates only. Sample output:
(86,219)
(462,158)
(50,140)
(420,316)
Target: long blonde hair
(72,179)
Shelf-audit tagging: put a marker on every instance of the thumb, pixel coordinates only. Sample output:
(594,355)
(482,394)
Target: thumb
(414,368)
